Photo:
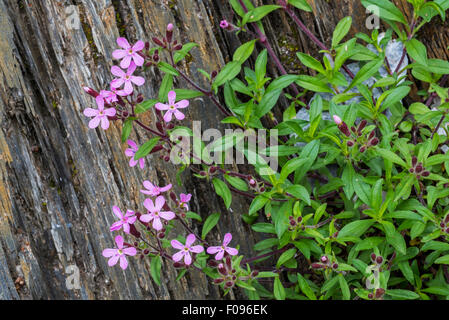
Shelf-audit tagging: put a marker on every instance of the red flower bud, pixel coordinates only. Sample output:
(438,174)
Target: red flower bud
(379,260)
(419,168)
(371,135)
(362,125)
(218,281)
(158,42)
(317,266)
(177,47)
(373,257)
(426,174)
(91,92)
(379,293)
(414,161)
(374,142)
(350,143)
(362,149)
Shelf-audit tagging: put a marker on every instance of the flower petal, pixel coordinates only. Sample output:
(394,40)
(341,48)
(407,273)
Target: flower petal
(138,81)
(116,71)
(232,251)
(157,224)
(138,59)
(132,144)
(168,116)
(167,215)
(116,83)
(119,241)
(219,255)
(178,256)
(119,54)
(109,252)
(182,104)
(130,152)
(212,250)
(131,69)
(116,226)
(176,244)
(104,123)
(123,43)
(89,112)
(118,213)
(113,260)
(227,239)
(166,188)
(187,259)
(197,249)
(161,106)
(190,239)
(131,251)
(139,45)
(159,203)
(110,112)
(179,115)
(123,262)
(148,203)
(146,218)
(94,122)
(171,97)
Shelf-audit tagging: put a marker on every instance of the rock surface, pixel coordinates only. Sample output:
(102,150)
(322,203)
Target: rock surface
(59,180)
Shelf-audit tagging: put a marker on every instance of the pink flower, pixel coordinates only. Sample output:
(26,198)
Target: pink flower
(99,115)
(186,249)
(129,53)
(130,152)
(108,96)
(125,220)
(154,190)
(224,248)
(172,107)
(126,78)
(155,213)
(184,199)
(119,253)
(118,92)
(337,120)
(224,24)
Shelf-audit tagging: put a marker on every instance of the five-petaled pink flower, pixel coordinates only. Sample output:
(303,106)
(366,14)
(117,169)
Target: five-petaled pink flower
(126,78)
(223,248)
(184,199)
(130,152)
(154,190)
(172,107)
(125,220)
(129,53)
(119,253)
(186,249)
(155,214)
(224,24)
(99,114)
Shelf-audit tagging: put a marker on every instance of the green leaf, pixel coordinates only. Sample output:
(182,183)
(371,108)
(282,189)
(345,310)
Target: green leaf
(281,82)
(229,72)
(258,203)
(387,10)
(244,52)
(310,62)
(223,191)
(279,291)
(193,215)
(267,103)
(145,106)
(285,256)
(391,156)
(299,192)
(146,148)
(209,224)
(166,85)
(167,68)
(126,130)
(155,269)
(344,287)
(182,94)
(180,54)
(341,30)
(305,288)
(443,259)
(355,228)
(291,166)
(313,84)
(264,227)
(402,294)
(366,72)
(260,12)
(417,51)
(418,108)
(394,237)
(301,4)
(237,183)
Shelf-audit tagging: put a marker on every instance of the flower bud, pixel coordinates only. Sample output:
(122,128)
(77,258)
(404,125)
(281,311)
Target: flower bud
(350,143)
(344,129)
(447,230)
(411,170)
(353,129)
(419,168)
(158,42)
(446,220)
(374,142)
(218,281)
(222,270)
(317,266)
(213,74)
(139,98)
(169,32)
(254,273)
(146,252)
(371,135)
(370,296)
(324,259)
(212,263)
(252,183)
(379,293)
(379,260)
(91,92)
(229,284)
(228,262)
(426,174)
(337,120)
(442,225)
(212,170)
(362,149)
(147,45)
(373,257)
(133,230)
(178,265)
(414,161)
(362,125)
(335,266)
(224,24)
(177,47)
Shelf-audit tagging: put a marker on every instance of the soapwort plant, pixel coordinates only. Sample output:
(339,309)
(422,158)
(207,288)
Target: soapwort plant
(358,207)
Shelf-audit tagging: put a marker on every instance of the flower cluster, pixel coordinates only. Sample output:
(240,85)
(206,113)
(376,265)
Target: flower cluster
(418,169)
(356,134)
